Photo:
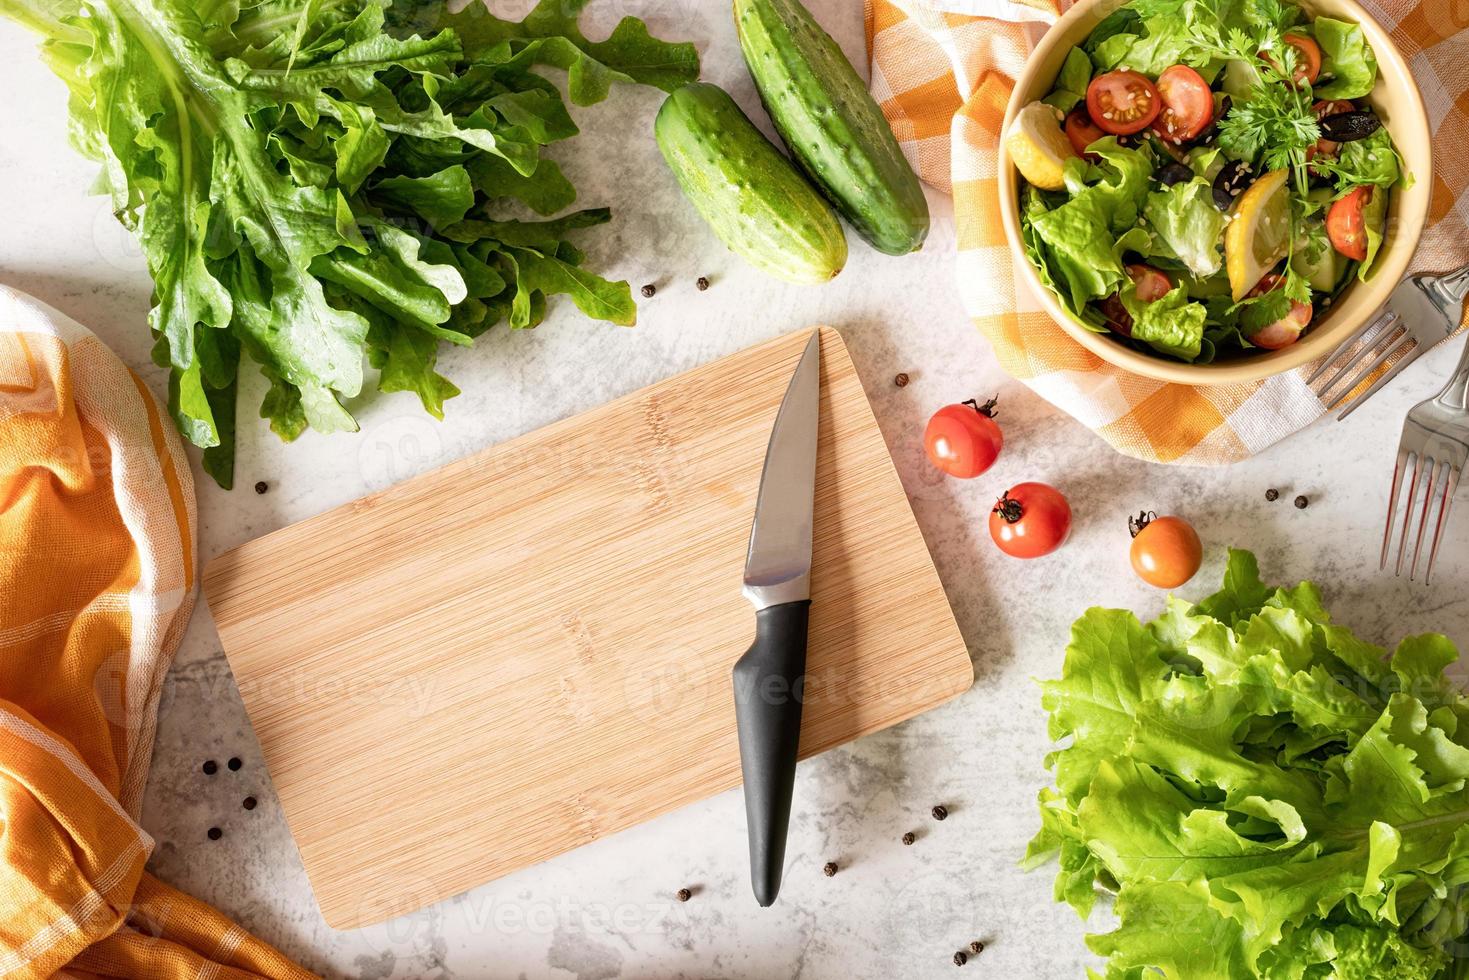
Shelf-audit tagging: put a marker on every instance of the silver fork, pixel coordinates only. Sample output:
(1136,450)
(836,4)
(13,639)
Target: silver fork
(1421,311)
(1436,442)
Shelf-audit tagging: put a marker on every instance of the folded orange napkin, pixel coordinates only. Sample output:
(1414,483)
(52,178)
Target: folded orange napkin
(943,71)
(96,586)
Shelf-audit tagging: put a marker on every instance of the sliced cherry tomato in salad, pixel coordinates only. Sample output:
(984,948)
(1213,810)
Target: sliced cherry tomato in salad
(1150,284)
(1030,520)
(1288,329)
(1081,131)
(1332,107)
(1344,224)
(1188,105)
(1166,551)
(963,440)
(1122,102)
(1308,58)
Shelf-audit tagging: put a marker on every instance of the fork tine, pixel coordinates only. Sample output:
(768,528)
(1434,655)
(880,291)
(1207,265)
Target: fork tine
(1396,345)
(1433,465)
(1346,345)
(1412,497)
(1412,355)
(1451,482)
(1382,329)
(1392,505)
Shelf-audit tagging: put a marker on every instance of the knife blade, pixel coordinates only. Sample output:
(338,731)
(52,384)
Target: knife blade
(769,680)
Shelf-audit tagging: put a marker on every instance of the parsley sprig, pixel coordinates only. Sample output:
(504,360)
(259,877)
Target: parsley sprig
(1276,125)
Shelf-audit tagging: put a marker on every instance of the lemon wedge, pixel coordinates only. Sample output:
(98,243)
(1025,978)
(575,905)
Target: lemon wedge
(1038,146)
(1258,235)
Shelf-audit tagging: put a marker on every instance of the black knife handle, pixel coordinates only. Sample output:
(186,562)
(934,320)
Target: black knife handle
(769,689)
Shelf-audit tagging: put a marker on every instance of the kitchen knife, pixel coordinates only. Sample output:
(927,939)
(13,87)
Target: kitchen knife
(769,680)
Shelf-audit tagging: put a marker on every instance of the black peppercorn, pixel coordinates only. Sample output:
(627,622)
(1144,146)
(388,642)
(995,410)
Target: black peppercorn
(909,838)
(1302,503)
(210,767)
(976,947)
(1272,494)
(684,895)
(249,803)
(234,764)
(261,486)
(215,833)
(960,958)
(701,283)
(649,290)
(901,380)
(829,868)
(941,812)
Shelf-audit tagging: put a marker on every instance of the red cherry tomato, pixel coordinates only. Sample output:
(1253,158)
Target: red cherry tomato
(1332,107)
(1308,58)
(963,440)
(1166,551)
(1288,329)
(1081,131)
(1188,104)
(1030,520)
(1344,224)
(1324,147)
(1150,284)
(1122,102)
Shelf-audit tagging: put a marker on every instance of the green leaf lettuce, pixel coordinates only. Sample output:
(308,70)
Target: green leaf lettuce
(1266,795)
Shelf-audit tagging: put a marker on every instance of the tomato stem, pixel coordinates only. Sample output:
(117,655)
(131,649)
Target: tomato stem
(1136,524)
(1008,508)
(987,409)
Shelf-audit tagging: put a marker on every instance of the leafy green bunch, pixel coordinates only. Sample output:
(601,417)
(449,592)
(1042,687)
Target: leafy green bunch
(310,185)
(1266,794)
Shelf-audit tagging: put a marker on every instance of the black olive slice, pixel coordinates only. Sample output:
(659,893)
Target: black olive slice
(1346,127)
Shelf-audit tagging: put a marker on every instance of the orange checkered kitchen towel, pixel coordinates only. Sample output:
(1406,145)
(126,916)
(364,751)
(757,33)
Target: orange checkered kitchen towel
(96,585)
(942,70)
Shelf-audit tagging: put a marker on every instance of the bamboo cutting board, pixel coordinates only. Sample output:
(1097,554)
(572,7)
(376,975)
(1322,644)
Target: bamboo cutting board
(529,649)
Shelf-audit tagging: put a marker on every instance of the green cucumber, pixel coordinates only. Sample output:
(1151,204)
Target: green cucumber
(831,124)
(749,193)
(1323,274)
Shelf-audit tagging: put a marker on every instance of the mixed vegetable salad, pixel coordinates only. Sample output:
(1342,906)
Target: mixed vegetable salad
(1204,179)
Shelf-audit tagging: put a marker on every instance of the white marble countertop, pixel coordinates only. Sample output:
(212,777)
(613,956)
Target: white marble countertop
(607,910)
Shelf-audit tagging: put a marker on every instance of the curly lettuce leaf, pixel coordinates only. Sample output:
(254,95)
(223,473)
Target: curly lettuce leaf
(1071,84)
(1289,800)
(1172,324)
(1346,57)
(1373,160)
(1188,225)
(1080,240)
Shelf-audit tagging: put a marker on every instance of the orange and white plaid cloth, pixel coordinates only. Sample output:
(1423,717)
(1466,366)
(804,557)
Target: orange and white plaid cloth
(942,71)
(97,582)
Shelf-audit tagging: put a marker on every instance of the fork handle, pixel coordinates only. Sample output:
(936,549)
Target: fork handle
(1455,394)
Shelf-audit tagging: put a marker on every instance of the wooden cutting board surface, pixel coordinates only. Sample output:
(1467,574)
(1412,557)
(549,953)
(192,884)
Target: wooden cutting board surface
(530,648)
